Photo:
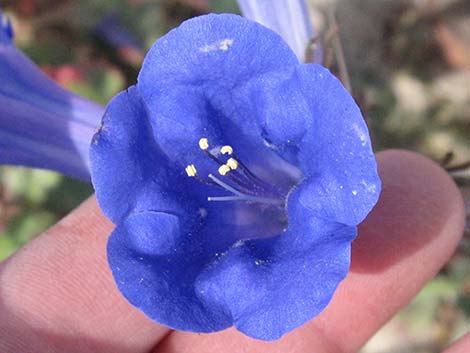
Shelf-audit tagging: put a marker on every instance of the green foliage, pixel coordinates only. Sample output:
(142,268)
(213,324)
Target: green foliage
(33,200)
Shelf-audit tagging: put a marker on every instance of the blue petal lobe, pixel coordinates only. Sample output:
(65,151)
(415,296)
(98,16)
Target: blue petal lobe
(337,151)
(223,48)
(129,172)
(321,129)
(270,290)
(153,233)
(154,263)
(189,73)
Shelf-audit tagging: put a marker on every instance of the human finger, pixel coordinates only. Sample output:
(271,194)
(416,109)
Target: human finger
(460,346)
(57,294)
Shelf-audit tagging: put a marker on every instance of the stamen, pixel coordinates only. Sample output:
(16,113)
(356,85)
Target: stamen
(203,144)
(250,175)
(232,163)
(226,150)
(246,185)
(239,196)
(191,170)
(224,169)
(224,185)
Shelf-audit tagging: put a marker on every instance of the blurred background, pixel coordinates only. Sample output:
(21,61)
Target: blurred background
(408,62)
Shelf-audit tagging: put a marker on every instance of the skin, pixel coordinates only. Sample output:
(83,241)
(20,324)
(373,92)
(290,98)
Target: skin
(57,293)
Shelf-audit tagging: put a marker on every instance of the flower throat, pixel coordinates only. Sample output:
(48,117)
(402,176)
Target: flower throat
(242,183)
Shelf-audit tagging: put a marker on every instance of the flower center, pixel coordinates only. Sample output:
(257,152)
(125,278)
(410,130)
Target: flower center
(235,178)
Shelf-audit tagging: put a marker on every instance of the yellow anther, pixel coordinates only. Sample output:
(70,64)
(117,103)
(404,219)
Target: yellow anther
(224,169)
(232,163)
(203,144)
(191,170)
(226,150)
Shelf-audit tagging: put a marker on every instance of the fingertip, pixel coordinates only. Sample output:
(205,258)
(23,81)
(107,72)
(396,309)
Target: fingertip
(420,204)
(57,293)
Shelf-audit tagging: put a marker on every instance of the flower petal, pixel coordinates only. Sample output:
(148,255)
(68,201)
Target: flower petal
(326,135)
(33,137)
(155,270)
(41,124)
(129,171)
(185,71)
(270,288)
(337,150)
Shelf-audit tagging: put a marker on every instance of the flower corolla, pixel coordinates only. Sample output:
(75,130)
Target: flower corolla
(236,177)
(42,125)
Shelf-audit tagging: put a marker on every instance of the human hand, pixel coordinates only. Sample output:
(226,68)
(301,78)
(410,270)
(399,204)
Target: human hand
(57,293)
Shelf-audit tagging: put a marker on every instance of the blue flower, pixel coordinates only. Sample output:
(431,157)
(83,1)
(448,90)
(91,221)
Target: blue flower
(41,124)
(235,177)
